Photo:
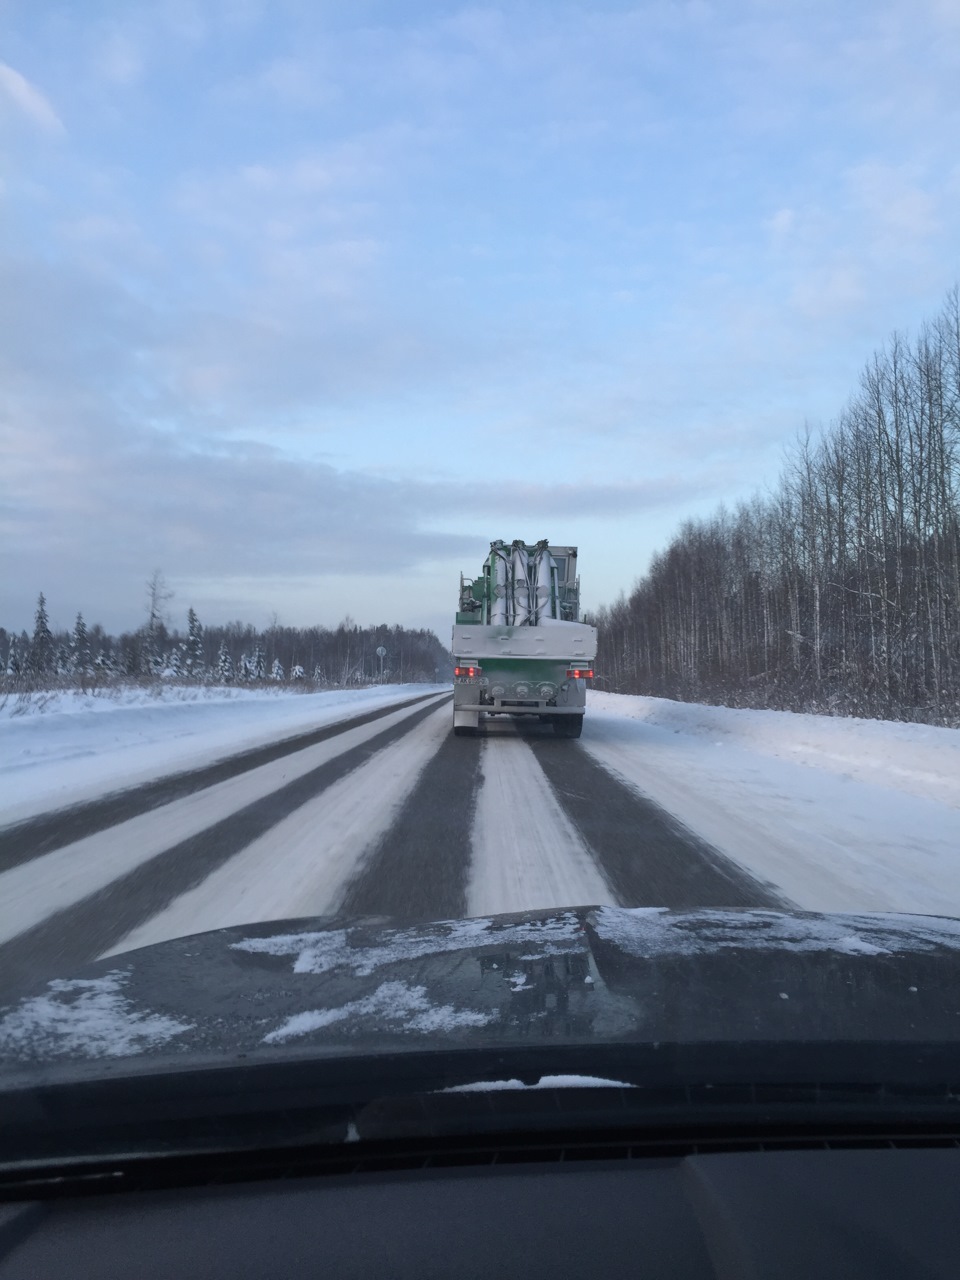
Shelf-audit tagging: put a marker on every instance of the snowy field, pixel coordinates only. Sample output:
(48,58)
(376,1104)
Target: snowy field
(58,749)
(840,814)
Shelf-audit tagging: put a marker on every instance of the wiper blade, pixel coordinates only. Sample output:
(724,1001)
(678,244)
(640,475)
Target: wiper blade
(295,1104)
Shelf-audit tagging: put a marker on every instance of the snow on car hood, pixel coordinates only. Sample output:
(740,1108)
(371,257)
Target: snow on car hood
(579,976)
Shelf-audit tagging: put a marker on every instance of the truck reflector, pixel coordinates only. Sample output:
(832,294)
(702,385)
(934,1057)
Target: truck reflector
(580,673)
(467,671)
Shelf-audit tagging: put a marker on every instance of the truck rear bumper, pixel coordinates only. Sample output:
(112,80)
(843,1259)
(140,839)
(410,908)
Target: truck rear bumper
(509,709)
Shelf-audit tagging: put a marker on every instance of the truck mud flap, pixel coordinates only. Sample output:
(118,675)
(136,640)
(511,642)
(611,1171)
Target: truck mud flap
(465,722)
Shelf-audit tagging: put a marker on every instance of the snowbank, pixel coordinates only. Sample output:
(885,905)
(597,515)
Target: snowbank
(922,760)
(836,814)
(61,748)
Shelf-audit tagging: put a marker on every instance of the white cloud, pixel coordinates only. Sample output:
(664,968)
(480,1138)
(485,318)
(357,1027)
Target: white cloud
(900,212)
(28,100)
(310,193)
(947,13)
(781,225)
(120,59)
(294,82)
(831,290)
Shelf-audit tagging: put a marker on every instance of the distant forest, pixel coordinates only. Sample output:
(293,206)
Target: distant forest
(235,654)
(840,591)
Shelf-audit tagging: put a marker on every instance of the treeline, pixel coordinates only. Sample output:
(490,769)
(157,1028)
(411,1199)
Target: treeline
(840,592)
(229,655)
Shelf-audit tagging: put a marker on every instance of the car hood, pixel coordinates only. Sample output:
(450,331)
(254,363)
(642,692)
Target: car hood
(579,977)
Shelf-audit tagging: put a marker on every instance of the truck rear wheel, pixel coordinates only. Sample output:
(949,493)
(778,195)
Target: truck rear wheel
(568,726)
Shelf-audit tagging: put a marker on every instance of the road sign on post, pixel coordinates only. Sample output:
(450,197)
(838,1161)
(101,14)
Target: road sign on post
(381,654)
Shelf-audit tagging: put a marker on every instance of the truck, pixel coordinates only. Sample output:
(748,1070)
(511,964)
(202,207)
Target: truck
(519,647)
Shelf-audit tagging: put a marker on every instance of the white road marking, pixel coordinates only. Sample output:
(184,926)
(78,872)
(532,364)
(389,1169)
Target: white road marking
(303,865)
(54,881)
(526,852)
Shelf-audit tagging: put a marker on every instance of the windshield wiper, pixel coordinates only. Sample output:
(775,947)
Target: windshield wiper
(299,1108)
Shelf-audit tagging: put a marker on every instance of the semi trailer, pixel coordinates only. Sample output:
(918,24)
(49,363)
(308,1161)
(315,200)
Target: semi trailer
(519,646)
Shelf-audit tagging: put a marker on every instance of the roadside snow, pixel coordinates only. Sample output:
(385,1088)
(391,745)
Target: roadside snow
(839,814)
(64,748)
(919,759)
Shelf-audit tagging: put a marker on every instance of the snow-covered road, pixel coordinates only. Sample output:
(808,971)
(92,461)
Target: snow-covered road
(840,814)
(373,807)
(60,749)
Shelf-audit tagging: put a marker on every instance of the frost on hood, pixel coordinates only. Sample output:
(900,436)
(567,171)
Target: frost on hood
(84,1017)
(391,1003)
(656,931)
(323,952)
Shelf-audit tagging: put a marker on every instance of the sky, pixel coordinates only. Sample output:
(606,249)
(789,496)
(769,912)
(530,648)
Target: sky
(303,304)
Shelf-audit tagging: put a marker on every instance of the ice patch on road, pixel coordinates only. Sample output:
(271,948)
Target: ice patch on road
(326,951)
(86,1017)
(649,932)
(391,1003)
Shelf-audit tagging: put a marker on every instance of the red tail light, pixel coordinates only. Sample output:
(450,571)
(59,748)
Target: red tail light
(580,673)
(467,671)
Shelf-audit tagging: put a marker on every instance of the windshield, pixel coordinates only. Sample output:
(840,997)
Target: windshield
(467,461)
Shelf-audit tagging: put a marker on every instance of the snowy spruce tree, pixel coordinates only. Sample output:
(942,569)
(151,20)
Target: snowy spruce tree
(158,597)
(107,664)
(80,647)
(14,661)
(276,671)
(41,650)
(224,664)
(194,655)
(259,663)
(63,664)
(296,672)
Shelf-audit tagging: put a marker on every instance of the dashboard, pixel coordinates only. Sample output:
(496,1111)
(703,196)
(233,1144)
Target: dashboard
(865,1212)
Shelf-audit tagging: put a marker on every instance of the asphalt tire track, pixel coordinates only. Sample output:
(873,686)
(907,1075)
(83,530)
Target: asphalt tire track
(648,856)
(22,841)
(419,870)
(76,935)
